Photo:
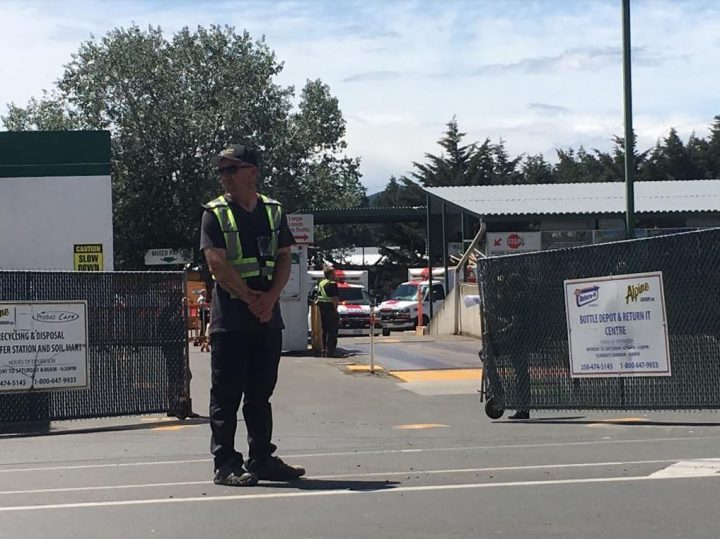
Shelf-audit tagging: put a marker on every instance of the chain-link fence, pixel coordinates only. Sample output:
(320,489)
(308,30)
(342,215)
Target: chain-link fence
(137,345)
(525,334)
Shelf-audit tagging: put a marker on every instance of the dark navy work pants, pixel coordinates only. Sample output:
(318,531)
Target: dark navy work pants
(244,367)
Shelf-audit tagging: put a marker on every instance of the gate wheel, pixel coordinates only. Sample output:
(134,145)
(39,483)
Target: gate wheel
(493,409)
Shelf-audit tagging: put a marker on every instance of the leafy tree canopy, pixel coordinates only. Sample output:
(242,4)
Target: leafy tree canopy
(173,104)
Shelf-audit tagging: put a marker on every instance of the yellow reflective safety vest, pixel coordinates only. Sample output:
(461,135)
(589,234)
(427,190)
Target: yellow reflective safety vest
(322,296)
(247,266)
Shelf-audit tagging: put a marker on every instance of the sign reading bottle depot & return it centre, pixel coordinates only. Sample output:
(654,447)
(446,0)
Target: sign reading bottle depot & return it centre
(617,326)
(43,345)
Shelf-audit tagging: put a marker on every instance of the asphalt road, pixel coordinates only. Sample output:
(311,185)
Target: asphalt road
(383,460)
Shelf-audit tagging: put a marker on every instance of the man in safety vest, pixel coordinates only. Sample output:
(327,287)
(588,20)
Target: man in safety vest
(246,241)
(327,300)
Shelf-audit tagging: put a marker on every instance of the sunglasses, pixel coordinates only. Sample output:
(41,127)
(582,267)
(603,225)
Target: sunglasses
(232,169)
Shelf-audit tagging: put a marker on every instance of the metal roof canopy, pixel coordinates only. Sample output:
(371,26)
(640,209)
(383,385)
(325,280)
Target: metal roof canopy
(580,198)
(367,215)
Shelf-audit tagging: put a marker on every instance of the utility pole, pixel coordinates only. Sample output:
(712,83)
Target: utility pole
(629,145)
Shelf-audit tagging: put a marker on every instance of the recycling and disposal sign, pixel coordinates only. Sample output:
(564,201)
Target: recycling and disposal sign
(43,345)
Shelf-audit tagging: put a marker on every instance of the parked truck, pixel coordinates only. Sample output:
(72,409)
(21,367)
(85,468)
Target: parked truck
(400,311)
(355,302)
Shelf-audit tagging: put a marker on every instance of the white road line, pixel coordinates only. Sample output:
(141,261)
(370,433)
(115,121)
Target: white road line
(369,474)
(390,490)
(112,465)
(504,468)
(374,452)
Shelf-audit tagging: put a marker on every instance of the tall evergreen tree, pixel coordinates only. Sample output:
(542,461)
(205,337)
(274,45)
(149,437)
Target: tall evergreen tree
(535,170)
(449,168)
(409,238)
(504,167)
(711,159)
(671,160)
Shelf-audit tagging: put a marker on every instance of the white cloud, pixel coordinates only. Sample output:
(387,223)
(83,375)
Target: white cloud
(542,74)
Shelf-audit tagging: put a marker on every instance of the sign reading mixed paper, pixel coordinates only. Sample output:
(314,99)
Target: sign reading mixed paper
(43,345)
(617,326)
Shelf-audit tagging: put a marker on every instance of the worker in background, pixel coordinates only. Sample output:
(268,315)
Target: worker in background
(327,300)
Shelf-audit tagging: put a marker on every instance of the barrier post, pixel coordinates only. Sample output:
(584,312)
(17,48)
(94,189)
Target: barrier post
(315,329)
(420,306)
(372,338)
(420,328)
(186,410)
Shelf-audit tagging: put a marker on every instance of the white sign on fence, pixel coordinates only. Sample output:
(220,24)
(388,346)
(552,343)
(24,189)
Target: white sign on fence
(617,326)
(159,257)
(43,345)
(302,227)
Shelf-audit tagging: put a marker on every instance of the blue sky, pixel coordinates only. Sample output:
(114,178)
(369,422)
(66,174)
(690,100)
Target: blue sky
(540,74)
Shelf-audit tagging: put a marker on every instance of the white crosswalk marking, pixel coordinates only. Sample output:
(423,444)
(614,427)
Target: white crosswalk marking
(690,468)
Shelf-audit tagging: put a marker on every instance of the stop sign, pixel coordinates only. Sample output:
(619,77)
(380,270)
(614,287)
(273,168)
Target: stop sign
(514,241)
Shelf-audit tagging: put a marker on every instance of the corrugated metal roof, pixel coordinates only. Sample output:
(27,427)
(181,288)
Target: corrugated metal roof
(372,214)
(579,198)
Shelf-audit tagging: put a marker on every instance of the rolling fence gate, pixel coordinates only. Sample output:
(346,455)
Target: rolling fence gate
(626,325)
(84,344)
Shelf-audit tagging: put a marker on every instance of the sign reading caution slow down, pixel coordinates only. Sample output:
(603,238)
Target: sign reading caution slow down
(88,257)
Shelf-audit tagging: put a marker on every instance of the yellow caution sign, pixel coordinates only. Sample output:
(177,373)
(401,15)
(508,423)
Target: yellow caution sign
(88,257)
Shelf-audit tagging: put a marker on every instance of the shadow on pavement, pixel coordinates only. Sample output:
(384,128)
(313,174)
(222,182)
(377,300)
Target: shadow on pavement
(580,420)
(332,484)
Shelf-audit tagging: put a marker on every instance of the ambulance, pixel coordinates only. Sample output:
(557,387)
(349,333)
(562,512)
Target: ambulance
(355,300)
(400,311)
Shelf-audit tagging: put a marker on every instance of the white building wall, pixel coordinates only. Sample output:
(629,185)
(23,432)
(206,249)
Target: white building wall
(41,219)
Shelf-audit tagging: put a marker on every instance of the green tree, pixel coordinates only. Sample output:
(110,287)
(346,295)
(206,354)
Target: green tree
(481,169)
(505,169)
(671,160)
(699,151)
(171,105)
(568,168)
(449,168)
(535,170)
(409,238)
(711,156)
(615,163)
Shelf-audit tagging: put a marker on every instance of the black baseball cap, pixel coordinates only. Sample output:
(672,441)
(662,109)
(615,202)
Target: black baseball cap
(237,152)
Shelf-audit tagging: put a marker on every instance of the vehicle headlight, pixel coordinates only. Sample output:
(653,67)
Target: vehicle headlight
(406,310)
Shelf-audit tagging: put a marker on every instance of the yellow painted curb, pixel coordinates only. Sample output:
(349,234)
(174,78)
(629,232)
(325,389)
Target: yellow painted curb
(418,426)
(362,368)
(442,375)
